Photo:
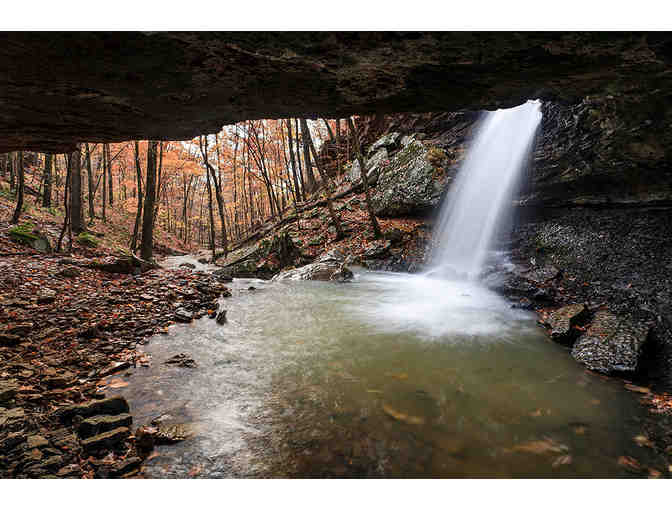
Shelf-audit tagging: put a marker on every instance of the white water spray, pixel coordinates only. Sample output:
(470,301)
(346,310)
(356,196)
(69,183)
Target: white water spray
(483,190)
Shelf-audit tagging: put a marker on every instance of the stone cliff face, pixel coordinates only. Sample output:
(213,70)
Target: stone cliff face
(593,211)
(57,89)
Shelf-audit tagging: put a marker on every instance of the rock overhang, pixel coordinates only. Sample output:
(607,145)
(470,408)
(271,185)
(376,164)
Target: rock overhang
(58,89)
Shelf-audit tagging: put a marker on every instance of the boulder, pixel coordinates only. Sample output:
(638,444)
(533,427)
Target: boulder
(28,235)
(129,264)
(181,360)
(373,166)
(388,141)
(562,322)
(183,315)
(612,344)
(221,317)
(329,267)
(409,184)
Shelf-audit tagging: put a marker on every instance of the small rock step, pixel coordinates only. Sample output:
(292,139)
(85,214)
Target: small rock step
(106,439)
(113,405)
(99,424)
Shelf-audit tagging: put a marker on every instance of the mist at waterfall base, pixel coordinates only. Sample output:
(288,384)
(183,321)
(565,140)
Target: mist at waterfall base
(448,299)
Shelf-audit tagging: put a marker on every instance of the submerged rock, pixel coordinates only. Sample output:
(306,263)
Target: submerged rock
(612,344)
(183,315)
(187,265)
(182,360)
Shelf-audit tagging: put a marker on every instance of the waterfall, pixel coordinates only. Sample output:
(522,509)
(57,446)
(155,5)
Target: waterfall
(483,190)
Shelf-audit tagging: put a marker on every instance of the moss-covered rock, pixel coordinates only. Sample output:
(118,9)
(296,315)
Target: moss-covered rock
(86,239)
(410,183)
(27,234)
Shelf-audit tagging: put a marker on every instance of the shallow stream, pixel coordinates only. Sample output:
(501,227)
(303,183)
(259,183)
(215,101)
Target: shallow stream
(387,376)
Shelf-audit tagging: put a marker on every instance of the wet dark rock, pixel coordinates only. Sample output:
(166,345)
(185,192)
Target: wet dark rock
(563,321)
(182,315)
(377,249)
(187,265)
(221,317)
(181,360)
(113,405)
(612,344)
(103,423)
(223,275)
(126,467)
(105,440)
(203,260)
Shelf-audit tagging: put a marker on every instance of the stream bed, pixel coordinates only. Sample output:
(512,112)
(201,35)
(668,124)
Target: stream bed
(390,375)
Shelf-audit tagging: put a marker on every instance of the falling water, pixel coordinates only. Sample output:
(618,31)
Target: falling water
(482,191)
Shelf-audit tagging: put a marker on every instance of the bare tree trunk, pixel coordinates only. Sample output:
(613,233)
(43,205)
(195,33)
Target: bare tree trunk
(138,214)
(305,135)
(76,213)
(365,179)
(89,171)
(203,142)
(105,163)
(331,133)
(211,216)
(146,246)
(66,217)
(294,168)
(19,201)
(12,170)
(46,194)
(110,187)
(298,160)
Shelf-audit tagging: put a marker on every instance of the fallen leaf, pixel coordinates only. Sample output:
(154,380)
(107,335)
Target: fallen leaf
(398,415)
(402,376)
(638,389)
(643,441)
(562,460)
(538,447)
(630,464)
(117,383)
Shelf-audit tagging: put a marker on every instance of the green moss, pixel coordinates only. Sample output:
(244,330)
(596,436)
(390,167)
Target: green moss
(87,239)
(24,231)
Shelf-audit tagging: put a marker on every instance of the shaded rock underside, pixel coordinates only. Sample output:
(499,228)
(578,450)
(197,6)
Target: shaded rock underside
(57,89)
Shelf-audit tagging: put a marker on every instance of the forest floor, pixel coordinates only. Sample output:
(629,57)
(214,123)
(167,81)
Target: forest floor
(68,332)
